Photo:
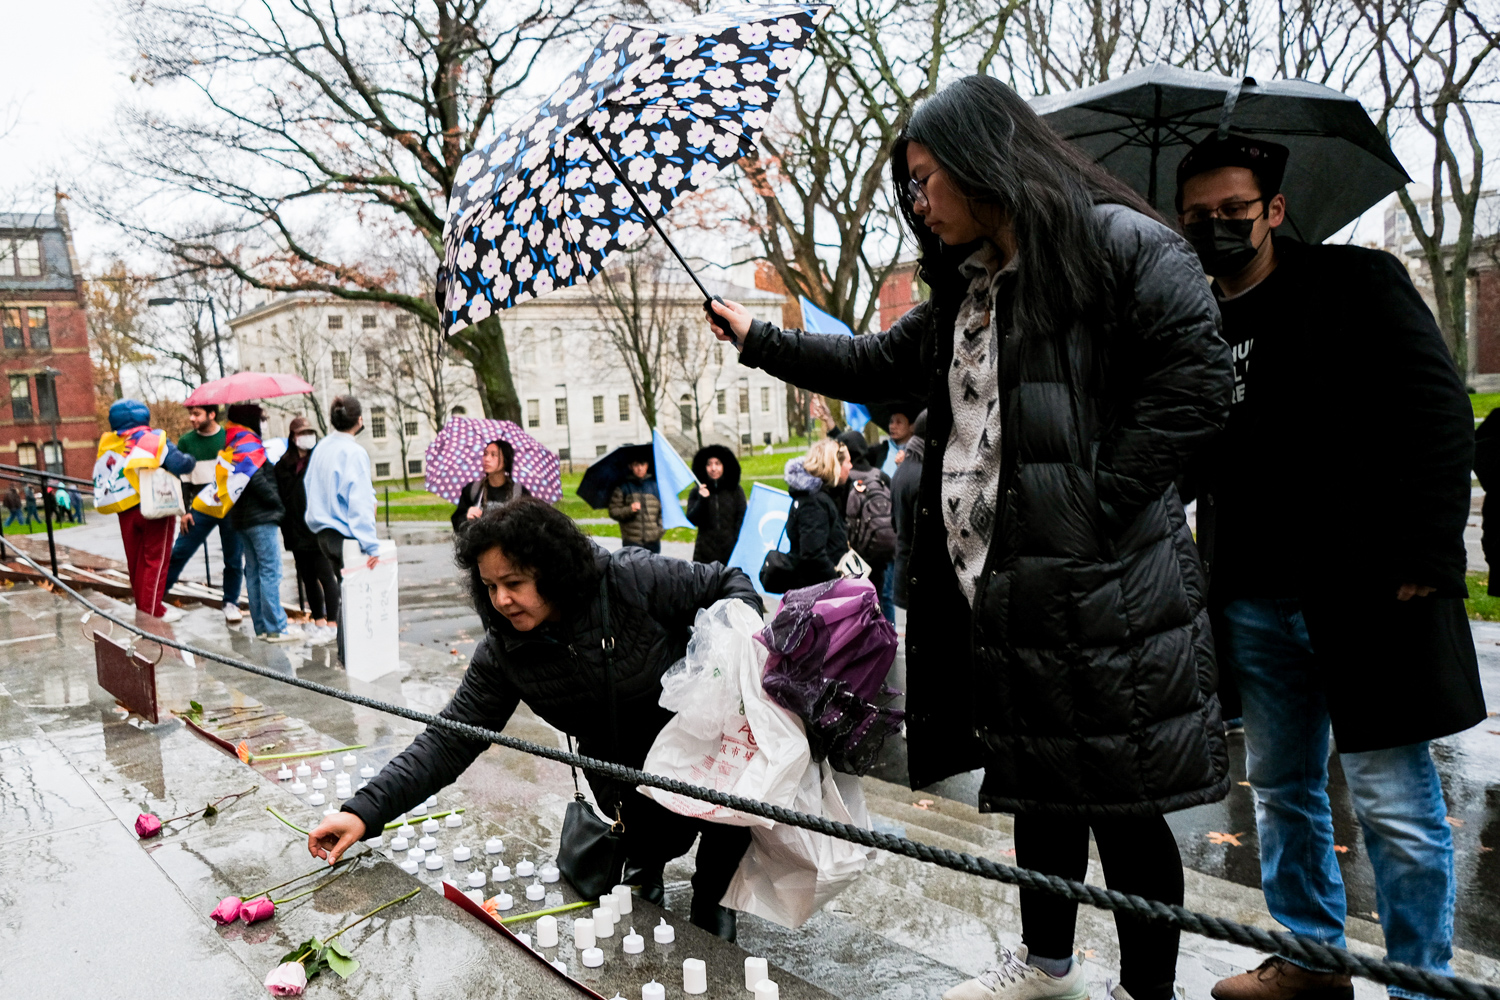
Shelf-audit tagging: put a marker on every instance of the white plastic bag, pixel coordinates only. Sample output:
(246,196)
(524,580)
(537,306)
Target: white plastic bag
(727,734)
(789,872)
(161,494)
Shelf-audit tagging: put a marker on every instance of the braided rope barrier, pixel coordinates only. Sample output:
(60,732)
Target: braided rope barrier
(1302,951)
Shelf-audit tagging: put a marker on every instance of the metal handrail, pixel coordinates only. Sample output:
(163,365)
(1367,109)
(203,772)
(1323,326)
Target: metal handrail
(39,474)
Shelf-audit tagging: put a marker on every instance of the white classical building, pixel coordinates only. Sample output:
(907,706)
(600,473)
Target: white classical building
(576,392)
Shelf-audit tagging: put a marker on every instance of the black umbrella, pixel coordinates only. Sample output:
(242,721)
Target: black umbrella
(610,471)
(1138,127)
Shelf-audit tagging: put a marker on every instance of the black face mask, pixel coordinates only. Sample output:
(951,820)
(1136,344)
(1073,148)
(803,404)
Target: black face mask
(1224,246)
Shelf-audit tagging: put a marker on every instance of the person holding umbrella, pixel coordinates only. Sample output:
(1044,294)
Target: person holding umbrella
(717,506)
(1073,369)
(257,514)
(495,487)
(1364,626)
(319,585)
(204,442)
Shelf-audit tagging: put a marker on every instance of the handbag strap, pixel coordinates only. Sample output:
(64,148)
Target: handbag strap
(607,645)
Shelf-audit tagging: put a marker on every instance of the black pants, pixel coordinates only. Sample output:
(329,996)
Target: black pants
(655,836)
(319,583)
(332,545)
(1139,855)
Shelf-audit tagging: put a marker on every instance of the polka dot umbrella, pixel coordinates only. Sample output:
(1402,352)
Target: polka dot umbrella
(652,115)
(454,458)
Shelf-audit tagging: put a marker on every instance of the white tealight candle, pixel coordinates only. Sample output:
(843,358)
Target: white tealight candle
(431,802)
(504,901)
(462,853)
(525,869)
(434,862)
(350,760)
(623,904)
(755,971)
(430,826)
(316,799)
(593,958)
(767,990)
(296,788)
(454,821)
(550,873)
(376,841)
(410,867)
(476,896)
(500,873)
(694,976)
(604,922)
(328,764)
(583,933)
(367,771)
(633,943)
(546,932)
(494,846)
(663,932)
(406,830)
(476,877)
(416,854)
(427,843)
(285,774)
(560,967)
(653,991)
(535,892)
(303,770)
(330,811)
(320,782)
(399,843)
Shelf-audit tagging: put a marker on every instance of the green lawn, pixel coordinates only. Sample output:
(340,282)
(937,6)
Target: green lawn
(1482,607)
(36,527)
(1483,403)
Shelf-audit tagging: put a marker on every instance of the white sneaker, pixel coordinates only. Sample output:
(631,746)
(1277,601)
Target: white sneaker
(171,614)
(281,637)
(1012,979)
(232,613)
(322,635)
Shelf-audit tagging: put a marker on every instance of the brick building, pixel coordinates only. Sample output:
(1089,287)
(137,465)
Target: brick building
(48,421)
(901,290)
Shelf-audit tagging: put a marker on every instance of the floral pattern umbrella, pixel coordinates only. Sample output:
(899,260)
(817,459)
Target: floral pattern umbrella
(669,104)
(454,457)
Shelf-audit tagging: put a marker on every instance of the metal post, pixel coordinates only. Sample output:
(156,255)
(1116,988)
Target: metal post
(47,511)
(387,510)
(218,347)
(208,573)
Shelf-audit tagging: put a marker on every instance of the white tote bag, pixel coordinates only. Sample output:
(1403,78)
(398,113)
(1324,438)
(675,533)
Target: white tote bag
(161,494)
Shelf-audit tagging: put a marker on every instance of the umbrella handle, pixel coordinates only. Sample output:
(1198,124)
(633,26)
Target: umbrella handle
(719,322)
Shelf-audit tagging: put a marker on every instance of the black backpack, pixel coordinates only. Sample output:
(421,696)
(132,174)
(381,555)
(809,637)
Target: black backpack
(867,513)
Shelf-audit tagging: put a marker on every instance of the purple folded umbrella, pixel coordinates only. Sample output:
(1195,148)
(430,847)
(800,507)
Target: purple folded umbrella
(831,649)
(454,458)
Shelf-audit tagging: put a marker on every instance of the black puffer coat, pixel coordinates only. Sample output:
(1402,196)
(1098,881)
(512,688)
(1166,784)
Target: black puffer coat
(717,516)
(260,503)
(558,670)
(1083,679)
(291,470)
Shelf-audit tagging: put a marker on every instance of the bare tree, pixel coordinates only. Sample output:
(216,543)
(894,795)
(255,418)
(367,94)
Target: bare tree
(311,115)
(116,314)
(696,360)
(305,349)
(639,315)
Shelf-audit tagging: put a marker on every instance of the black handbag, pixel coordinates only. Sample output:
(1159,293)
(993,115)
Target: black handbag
(778,573)
(591,850)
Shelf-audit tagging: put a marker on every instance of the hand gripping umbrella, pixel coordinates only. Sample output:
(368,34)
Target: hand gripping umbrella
(1139,127)
(652,114)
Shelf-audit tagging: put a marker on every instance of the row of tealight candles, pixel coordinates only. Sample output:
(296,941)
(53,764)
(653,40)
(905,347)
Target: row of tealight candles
(695,980)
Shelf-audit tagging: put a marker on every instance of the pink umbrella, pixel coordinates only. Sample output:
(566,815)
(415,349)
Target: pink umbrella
(241,386)
(453,459)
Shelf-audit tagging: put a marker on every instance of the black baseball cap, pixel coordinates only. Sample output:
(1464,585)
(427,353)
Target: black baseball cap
(1266,160)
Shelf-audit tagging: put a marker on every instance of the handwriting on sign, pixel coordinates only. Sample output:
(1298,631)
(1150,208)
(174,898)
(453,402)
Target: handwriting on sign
(1232,839)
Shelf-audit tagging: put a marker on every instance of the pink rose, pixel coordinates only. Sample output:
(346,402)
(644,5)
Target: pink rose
(147,825)
(257,909)
(288,979)
(228,910)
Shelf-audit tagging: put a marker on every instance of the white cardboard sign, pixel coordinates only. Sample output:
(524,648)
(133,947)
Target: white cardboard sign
(371,611)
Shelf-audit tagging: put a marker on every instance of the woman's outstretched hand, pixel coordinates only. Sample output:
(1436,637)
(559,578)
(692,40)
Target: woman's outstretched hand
(335,835)
(735,316)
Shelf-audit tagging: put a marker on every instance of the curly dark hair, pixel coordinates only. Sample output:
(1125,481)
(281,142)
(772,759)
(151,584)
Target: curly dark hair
(535,536)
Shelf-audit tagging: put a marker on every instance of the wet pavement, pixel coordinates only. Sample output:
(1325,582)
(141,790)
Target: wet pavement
(74,772)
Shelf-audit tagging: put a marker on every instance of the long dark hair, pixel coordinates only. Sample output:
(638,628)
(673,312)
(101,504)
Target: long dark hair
(997,151)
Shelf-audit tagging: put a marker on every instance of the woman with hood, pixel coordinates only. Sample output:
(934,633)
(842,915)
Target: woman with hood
(1057,633)
(815,526)
(717,506)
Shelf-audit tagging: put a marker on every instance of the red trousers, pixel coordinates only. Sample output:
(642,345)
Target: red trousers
(148,550)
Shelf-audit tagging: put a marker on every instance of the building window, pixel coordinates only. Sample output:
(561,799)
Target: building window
(367,321)
(557,346)
(39,337)
(566,454)
(528,347)
(340,364)
(414,466)
(52,456)
(403,321)
(533,413)
(377,422)
(25,257)
(765,399)
(11,320)
(744,399)
(685,412)
(624,406)
(560,411)
(600,449)
(46,396)
(719,355)
(20,402)
(767,436)
(372,362)
(335,322)
(26,455)
(598,409)
(410,429)
(682,342)
(382,470)
(458,411)
(745,438)
(721,403)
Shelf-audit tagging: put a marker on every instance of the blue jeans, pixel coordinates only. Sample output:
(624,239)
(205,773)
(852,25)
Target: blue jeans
(229,540)
(1396,795)
(886,585)
(262,545)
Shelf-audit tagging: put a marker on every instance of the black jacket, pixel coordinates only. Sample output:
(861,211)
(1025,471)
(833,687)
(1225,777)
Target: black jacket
(558,670)
(717,516)
(1487,470)
(295,534)
(473,496)
(260,503)
(1393,672)
(814,527)
(1083,679)
(905,494)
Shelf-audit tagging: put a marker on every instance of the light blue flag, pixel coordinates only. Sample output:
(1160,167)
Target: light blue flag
(763,529)
(672,477)
(815,320)
(856,416)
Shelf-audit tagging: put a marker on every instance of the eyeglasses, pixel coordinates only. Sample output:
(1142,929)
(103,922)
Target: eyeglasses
(1233,210)
(916,190)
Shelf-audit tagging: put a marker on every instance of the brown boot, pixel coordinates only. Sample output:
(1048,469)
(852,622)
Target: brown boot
(1278,979)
